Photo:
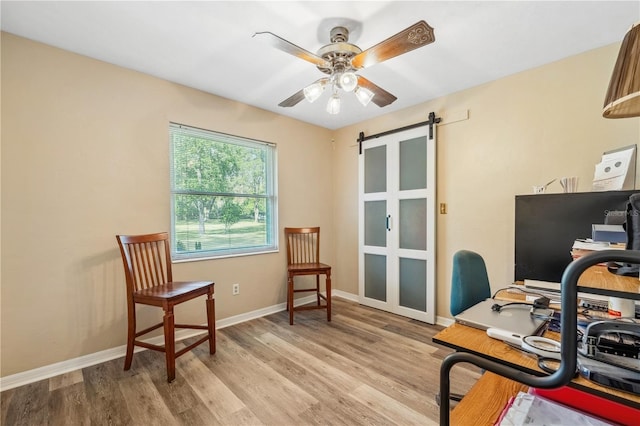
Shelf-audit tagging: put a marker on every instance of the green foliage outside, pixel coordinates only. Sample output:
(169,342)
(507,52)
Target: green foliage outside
(245,233)
(218,194)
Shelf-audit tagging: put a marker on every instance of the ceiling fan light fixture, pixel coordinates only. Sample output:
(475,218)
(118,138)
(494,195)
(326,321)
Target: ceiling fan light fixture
(348,81)
(364,95)
(313,91)
(333,106)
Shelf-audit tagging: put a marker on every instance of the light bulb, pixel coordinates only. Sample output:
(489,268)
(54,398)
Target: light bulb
(348,81)
(313,91)
(333,106)
(364,95)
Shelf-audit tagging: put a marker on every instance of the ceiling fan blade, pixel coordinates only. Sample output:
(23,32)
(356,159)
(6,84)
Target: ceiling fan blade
(299,95)
(381,97)
(292,49)
(418,35)
(293,99)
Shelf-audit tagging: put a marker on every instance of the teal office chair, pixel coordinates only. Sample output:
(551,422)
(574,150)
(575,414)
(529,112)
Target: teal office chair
(469,281)
(469,285)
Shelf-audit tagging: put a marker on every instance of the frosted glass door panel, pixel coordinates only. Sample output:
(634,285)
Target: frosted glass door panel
(413,164)
(413,284)
(375,219)
(375,277)
(413,224)
(396,223)
(375,169)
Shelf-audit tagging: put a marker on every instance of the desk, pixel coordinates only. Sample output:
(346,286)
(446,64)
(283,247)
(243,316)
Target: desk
(485,401)
(468,339)
(475,405)
(598,280)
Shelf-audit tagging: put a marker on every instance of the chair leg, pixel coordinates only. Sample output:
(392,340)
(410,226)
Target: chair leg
(318,289)
(288,296)
(211,323)
(329,296)
(290,299)
(170,343)
(131,336)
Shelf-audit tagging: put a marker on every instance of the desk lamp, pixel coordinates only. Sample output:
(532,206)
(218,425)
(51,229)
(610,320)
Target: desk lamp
(623,95)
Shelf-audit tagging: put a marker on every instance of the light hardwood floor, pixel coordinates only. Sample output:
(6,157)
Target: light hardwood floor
(365,367)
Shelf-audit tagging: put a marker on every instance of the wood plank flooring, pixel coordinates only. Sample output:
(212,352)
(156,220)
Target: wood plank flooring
(365,367)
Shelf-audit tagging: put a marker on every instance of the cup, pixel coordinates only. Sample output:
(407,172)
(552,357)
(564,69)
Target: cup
(623,308)
(569,184)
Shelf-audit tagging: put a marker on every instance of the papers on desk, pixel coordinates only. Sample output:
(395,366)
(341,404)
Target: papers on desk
(528,409)
(590,245)
(583,247)
(552,291)
(596,303)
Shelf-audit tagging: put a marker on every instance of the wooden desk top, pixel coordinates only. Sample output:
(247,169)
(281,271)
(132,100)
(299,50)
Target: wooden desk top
(464,338)
(485,401)
(598,278)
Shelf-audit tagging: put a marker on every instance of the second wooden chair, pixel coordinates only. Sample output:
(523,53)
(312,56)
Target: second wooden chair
(303,258)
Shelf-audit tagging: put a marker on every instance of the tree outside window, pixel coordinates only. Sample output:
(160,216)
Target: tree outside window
(223,194)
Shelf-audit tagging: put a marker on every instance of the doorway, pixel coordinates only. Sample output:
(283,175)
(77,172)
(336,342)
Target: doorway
(397,223)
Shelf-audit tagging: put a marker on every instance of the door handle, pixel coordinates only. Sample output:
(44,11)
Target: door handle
(388,224)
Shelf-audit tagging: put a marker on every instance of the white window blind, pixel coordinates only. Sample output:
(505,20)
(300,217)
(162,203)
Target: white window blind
(223,194)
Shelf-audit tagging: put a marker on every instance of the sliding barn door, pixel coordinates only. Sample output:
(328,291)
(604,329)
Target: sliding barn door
(397,223)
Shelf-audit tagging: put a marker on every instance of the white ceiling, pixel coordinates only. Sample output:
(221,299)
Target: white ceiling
(208,45)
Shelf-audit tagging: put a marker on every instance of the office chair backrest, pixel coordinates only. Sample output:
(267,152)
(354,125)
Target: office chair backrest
(469,281)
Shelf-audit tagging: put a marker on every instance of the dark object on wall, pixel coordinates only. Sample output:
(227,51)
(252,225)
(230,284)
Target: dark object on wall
(546,225)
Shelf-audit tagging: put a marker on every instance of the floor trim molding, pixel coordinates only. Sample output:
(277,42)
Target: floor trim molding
(444,321)
(52,370)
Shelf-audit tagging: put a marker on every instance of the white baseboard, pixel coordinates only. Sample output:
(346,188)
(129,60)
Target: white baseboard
(444,321)
(344,295)
(52,370)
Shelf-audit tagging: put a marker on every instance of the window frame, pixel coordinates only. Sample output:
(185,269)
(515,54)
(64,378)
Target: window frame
(270,195)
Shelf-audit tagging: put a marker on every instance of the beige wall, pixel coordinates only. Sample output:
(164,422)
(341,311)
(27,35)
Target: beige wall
(522,130)
(85,156)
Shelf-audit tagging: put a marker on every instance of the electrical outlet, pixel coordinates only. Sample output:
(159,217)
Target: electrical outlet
(235,289)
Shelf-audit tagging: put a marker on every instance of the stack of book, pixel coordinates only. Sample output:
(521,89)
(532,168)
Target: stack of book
(583,247)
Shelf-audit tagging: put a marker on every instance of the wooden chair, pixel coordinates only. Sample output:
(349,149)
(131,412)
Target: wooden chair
(147,267)
(303,258)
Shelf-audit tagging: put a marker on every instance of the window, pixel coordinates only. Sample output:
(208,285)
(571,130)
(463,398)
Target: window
(223,194)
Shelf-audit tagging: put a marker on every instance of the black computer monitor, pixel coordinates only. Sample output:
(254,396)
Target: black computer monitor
(546,225)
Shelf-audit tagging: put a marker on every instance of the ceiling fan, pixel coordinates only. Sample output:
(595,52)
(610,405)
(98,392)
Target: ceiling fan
(340,60)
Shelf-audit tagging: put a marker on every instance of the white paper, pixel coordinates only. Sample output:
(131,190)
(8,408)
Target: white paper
(531,410)
(611,173)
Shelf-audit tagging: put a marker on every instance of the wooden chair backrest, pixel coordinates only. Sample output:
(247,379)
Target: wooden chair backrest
(303,245)
(147,260)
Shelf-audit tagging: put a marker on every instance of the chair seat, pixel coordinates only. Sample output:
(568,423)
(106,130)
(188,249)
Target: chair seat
(300,268)
(172,292)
